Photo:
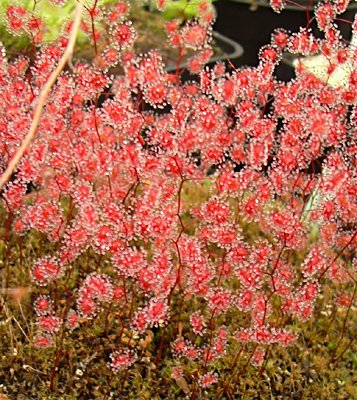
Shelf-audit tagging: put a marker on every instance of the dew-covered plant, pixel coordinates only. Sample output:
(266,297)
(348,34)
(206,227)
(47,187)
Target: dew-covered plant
(109,180)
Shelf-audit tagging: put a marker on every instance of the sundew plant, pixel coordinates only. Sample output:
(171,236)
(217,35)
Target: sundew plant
(192,224)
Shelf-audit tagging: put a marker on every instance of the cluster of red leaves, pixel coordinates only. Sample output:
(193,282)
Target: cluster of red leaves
(112,179)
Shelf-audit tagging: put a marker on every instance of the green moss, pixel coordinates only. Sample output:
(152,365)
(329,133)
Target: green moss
(182,9)
(148,22)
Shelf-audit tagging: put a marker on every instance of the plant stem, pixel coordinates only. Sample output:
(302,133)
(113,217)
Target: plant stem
(66,57)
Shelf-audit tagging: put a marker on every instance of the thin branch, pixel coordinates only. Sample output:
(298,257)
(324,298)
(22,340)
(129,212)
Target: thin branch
(66,57)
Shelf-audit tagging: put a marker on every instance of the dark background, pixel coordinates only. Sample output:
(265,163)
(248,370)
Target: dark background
(252,28)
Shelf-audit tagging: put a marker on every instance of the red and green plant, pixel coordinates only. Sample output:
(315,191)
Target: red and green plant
(133,236)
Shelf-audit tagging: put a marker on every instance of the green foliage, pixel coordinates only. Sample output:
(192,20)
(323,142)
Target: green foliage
(53,16)
(149,24)
(181,9)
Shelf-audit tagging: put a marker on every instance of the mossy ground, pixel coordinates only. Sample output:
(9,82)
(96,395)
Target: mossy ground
(303,371)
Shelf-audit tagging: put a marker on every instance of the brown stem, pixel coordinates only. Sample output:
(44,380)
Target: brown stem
(345,349)
(344,325)
(338,255)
